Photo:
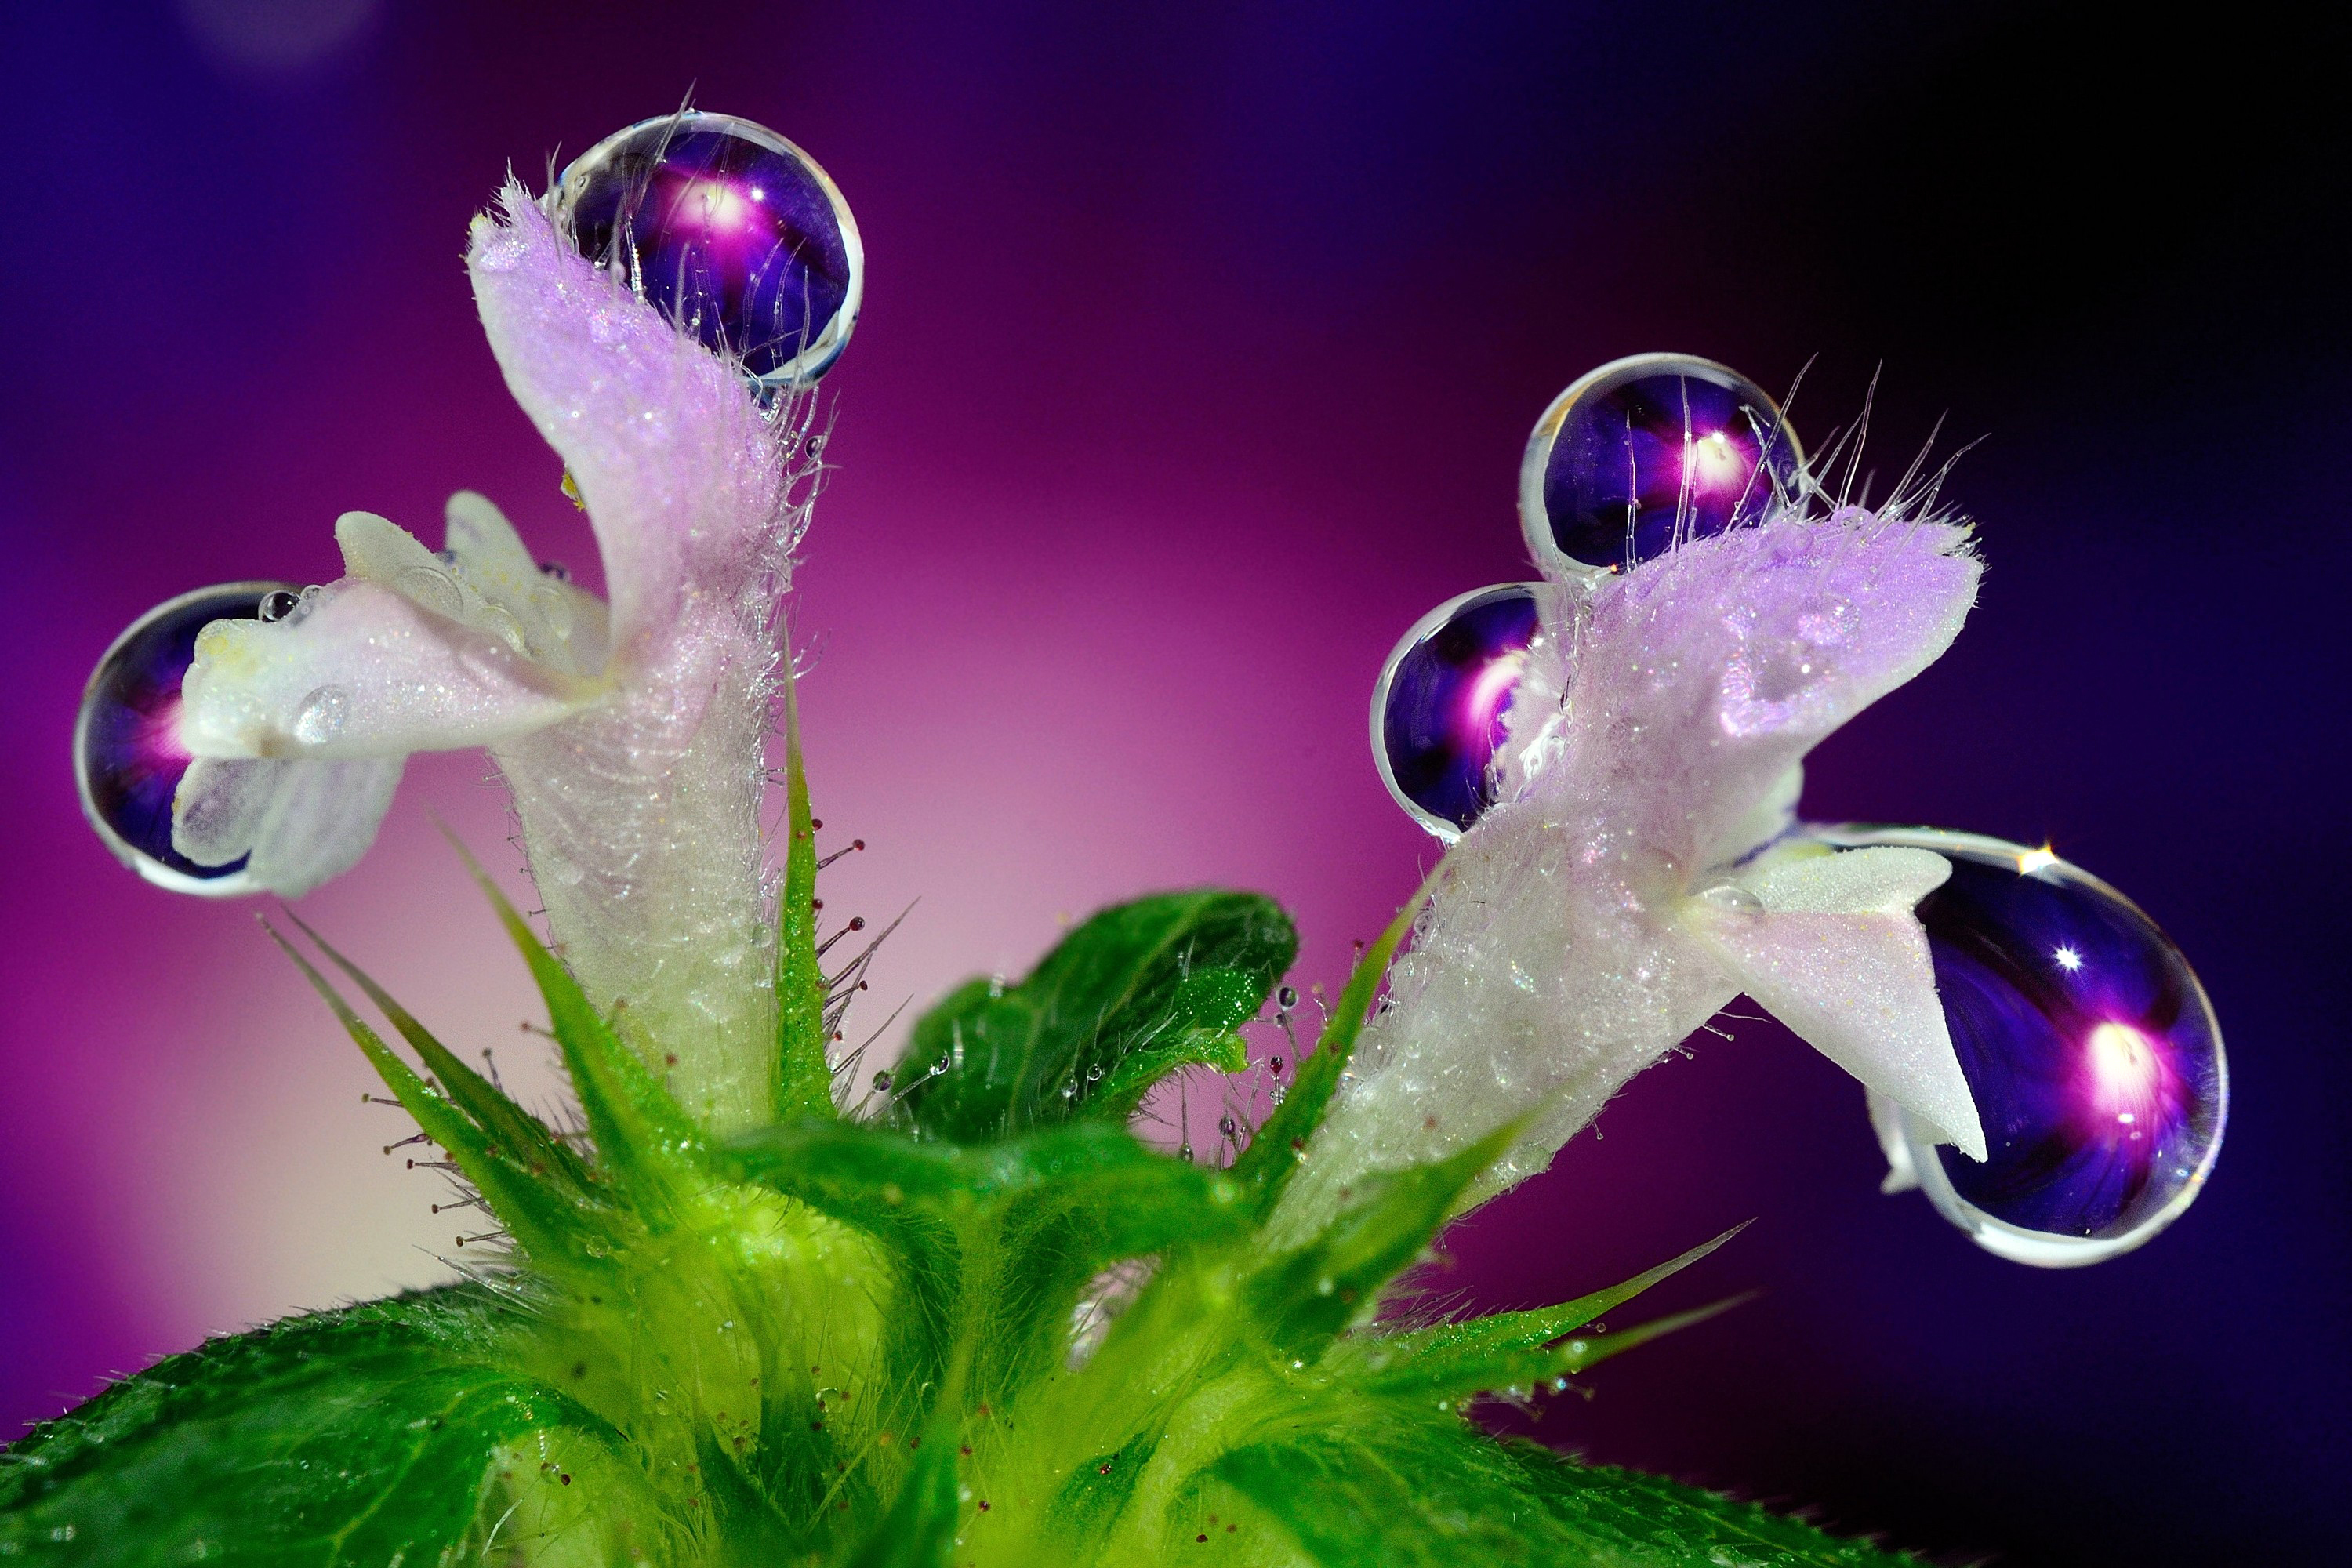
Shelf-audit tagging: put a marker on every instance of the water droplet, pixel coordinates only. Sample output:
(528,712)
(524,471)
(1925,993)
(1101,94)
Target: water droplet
(882,1082)
(1095,1073)
(2091,1048)
(733,232)
(1440,706)
(1647,451)
(1288,996)
(321,718)
(1227,1127)
(1732,895)
(1185,1153)
(128,755)
(277,604)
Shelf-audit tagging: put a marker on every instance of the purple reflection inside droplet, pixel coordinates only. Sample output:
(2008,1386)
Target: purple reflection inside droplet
(2085,1038)
(1447,695)
(1665,449)
(738,241)
(130,757)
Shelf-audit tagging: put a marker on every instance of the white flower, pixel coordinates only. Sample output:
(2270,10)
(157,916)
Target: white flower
(633,738)
(1636,876)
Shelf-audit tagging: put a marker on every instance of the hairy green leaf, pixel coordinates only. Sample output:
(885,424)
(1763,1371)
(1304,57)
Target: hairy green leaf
(1412,1492)
(358,1436)
(1138,991)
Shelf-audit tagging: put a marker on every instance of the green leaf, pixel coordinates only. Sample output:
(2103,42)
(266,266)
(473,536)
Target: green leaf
(1276,1148)
(802,1083)
(1506,1349)
(1135,993)
(1306,1297)
(358,1437)
(1652,1521)
(1410,1493)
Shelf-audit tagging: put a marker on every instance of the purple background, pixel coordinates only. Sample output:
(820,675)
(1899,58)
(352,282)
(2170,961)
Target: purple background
(1198,350)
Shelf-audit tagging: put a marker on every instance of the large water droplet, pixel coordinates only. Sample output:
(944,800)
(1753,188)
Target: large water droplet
(733,232)
(2090,1046)
(1648,452)
(128,755)
(1439,707)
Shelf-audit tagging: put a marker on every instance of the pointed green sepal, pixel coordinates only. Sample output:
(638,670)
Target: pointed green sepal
(644,1139)
(548,1223)
(1305,1297)
(1503,1350)
(802,1083)
(1275,1150)
(513,1131)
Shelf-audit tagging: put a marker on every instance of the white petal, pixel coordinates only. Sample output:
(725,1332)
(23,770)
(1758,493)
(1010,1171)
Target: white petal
(681,474)
(1859,989)
(217,811)
(1886,1120)
(1884,878)
(322,820)
(301,822)
(363,671)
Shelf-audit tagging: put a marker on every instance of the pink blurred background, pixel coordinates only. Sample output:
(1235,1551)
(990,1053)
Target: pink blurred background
(1198,352)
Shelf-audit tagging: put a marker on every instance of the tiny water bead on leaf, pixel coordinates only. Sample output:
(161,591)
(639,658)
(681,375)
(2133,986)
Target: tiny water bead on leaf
(730,230)
(129,756)
(2090,1046)
(1439,707)
(1646,451)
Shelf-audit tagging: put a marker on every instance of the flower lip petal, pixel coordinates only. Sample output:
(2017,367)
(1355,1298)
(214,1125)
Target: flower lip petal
(363,671)
(296,822)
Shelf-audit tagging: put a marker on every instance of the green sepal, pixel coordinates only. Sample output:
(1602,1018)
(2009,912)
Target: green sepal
(515,1133)
(919,1529)
(754,1529)
(1305,1297)
(547,1222)
(1135,993)
(363,1436)
(645,1141)
(1505,1350)
(1280,1142)
(801,1082)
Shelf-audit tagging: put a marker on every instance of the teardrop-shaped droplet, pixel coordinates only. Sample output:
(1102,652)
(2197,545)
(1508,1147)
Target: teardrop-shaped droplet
(128,755)
(2090,1046)
(733,232)
(1647,452)
(1439,709)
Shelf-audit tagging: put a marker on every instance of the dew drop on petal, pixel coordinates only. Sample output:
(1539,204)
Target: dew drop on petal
(731,231)
(277,604)
(128,754)
(320,717)
(2088,1043)
(1439,709)
(1648,452)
